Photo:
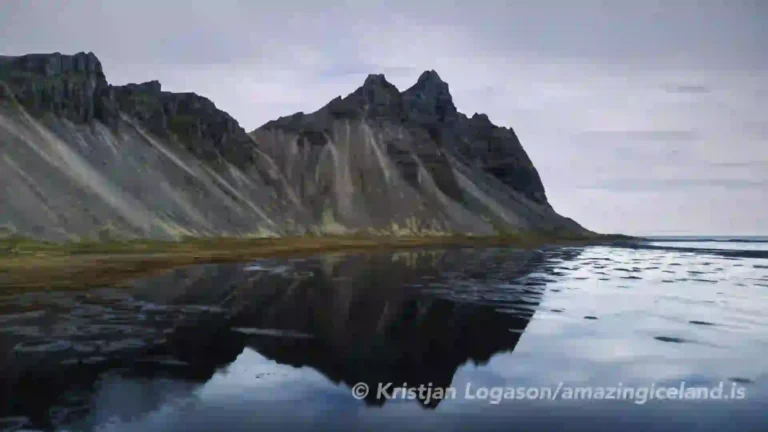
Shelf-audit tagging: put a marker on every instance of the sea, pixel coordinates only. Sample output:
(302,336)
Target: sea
(669,334)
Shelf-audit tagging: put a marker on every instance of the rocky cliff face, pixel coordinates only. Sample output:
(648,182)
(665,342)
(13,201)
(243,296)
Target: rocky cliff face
(82,158)
(194,120)
(72,87)
(428,104)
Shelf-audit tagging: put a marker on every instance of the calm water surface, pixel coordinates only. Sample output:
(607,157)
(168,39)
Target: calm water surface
(281,343)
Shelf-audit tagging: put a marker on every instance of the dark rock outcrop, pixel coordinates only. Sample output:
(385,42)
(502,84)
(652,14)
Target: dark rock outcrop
(498,151)
(194,120)
(74,87)
(71,86)
(429,102)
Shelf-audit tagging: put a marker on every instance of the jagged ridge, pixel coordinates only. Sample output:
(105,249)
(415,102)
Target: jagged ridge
(75,88)
(428,104)
(81,156)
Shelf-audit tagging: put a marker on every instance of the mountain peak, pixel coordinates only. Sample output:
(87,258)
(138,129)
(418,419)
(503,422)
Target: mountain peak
(481,118)
(54,64)
(430,100)
(376,80)
(377,97)
(429,76)
(153,86)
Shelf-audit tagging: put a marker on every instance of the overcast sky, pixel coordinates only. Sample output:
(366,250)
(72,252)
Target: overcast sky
(643,117)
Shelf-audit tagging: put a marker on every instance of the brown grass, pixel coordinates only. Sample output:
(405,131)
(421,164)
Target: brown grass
(41,265)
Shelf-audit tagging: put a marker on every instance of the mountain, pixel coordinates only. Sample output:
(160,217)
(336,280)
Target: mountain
(85,159)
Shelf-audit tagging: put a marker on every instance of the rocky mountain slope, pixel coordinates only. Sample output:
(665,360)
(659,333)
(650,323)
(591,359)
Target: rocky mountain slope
(80,158)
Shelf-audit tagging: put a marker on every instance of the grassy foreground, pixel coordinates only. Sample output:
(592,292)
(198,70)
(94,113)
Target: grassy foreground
(27,263)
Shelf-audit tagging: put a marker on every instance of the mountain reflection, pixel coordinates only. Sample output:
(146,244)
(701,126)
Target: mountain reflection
(406,317)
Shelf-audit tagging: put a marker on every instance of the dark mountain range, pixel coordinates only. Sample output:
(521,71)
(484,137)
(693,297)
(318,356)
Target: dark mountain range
(85,159)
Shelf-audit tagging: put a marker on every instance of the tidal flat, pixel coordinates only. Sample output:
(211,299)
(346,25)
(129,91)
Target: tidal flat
(26,263)
(282,341)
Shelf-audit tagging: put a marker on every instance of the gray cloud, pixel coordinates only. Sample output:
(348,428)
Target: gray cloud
(672,93)
(660,185)
(688,89)
(644,135)
(759,129)
(745,164)
(363,70)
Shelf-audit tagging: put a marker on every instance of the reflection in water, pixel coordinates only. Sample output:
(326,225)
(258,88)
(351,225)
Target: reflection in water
(372,321)
(407,317)
(281,342)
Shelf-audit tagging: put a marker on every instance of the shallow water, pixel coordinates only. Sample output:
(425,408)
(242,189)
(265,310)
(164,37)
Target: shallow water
(283,342)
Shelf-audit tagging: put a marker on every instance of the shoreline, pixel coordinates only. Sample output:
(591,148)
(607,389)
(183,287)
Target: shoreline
(30,264)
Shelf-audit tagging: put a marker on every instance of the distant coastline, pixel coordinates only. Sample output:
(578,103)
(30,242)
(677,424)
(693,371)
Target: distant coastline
(710,238)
